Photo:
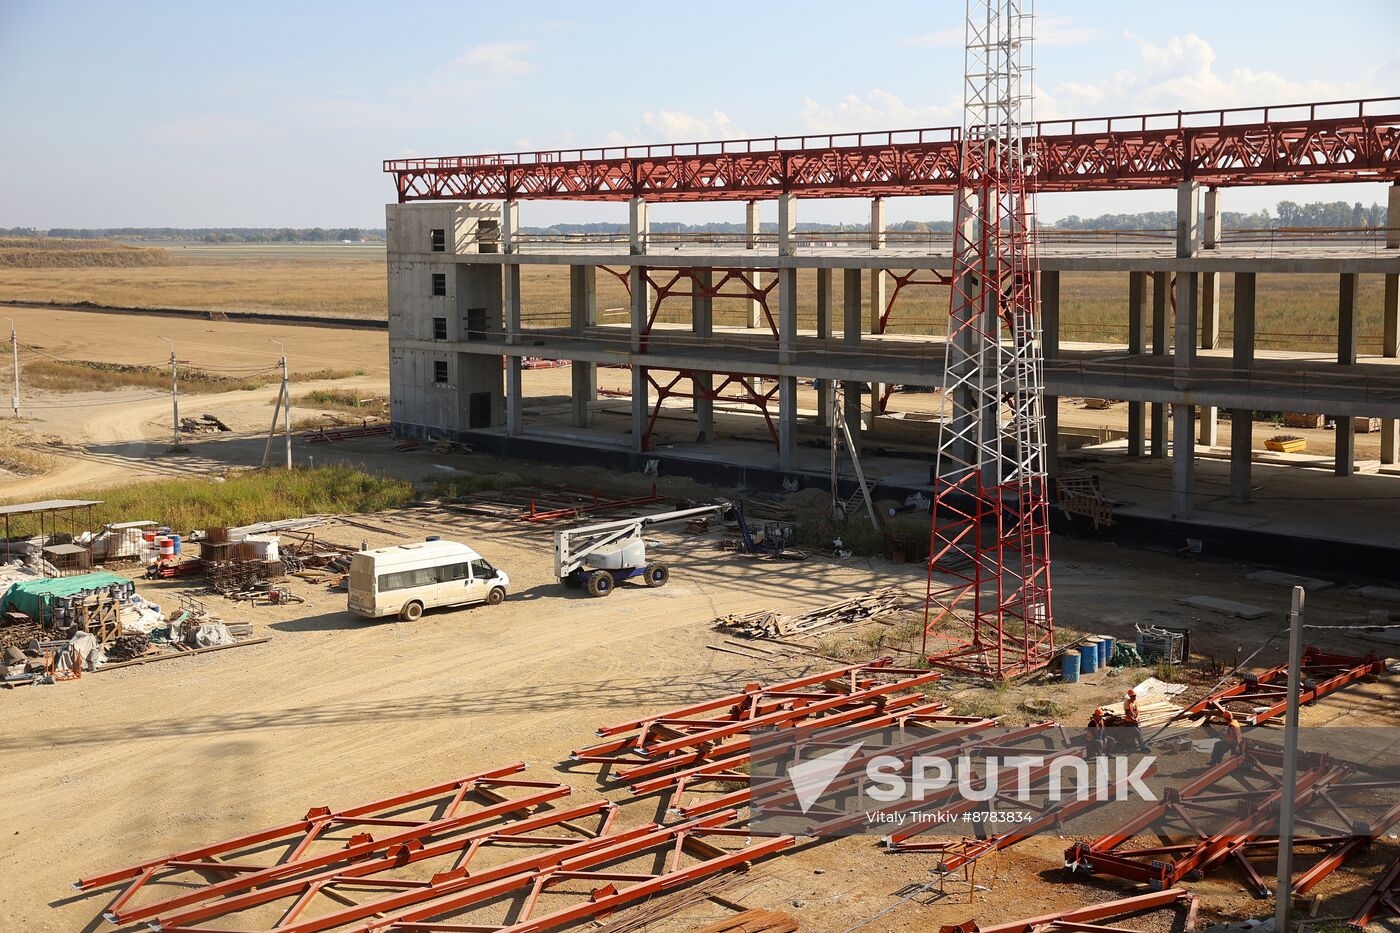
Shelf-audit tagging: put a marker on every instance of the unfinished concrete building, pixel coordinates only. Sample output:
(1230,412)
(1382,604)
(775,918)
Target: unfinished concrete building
(817,310)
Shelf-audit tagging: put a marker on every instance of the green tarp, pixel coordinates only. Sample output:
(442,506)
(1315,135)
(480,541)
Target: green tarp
(31,596)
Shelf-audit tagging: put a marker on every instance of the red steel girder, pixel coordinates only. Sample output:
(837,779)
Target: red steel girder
(1384,896)
(1080,915)
(1323,673)
(291,842)
(1357,140)
(305,889)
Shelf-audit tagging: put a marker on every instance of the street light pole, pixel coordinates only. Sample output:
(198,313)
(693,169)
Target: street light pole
(174,391)
(1283,905)
(287,400)
(14,350)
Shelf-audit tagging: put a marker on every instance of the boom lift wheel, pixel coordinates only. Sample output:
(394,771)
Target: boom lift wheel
(656,574)
(600,583)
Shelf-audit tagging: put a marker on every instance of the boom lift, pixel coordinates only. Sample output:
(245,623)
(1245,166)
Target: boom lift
(602,556)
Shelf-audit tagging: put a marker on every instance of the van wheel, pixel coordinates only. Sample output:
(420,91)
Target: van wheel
(656,575)
(496,596)
(600,583)
(411,612)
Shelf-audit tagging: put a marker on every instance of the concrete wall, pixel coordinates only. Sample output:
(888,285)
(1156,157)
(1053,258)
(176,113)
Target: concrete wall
(472,301)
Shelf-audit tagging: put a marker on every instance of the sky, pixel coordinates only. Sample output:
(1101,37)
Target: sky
(279,114)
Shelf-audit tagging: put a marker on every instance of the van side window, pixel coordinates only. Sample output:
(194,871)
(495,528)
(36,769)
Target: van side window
(481,570)
(450,572)
(403,579)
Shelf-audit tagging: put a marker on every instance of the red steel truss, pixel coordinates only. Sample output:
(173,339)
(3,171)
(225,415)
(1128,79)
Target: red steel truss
(302,844)
(1355,140)
(1265,694)
(987,610)
(1250,787)
(708,282)
(736,388)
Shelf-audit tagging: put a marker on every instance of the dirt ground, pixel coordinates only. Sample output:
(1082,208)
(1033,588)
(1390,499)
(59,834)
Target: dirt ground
(334,710)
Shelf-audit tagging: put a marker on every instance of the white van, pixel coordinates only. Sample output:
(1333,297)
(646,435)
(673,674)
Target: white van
(408,578)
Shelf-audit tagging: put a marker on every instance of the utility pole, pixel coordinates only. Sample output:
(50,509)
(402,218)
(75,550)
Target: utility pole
(1283,895)
(287,401)
(14,350)
(174,392)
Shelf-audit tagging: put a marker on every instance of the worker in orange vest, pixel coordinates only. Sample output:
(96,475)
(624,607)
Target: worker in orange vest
(1233,743)
(1131,719)
(1097,732)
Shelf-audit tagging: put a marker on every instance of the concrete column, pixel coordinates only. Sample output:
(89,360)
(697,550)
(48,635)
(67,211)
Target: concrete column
(583,314)
(787,316)
(1137,344)
(702,317)
(1241,453)
(510,288)
(1392,223)
(1184,353)
(641,305)
(1390,348)
(1161,281)
(1052,434)
(510,227)
(1346,319)
(787,225)
(877,311)
(1212,230)
(1188,209)
(1209,435)
(754,228)
(850,335)
(1243,351)
(641,407)
(787,420)
(877,223)
(639,222)
(825,303)
(1183,463)
(515,398)
(1345,429)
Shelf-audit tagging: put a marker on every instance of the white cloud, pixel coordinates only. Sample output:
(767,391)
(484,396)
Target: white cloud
(943,37)
(874,110)
(1049,30)
(489,60)
(677,126)
(1179,73)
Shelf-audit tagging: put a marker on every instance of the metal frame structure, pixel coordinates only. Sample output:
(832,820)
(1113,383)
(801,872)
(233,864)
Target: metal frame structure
(1233,788)
(1266,693)
(987,610)
(1354,140)
(748,395)
(244,859)
(1382,899)
(1081,919)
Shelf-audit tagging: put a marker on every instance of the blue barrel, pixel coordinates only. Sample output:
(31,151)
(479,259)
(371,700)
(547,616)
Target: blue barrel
(1089,657)
(1069,670)
(175,539)
(1105,650)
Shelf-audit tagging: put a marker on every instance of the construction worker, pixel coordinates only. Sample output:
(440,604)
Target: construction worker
(1233,742)
(1097,733)
(1132,719)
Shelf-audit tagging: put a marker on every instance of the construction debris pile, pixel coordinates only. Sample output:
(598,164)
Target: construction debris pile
(548,504)
(204,424)
(890,605)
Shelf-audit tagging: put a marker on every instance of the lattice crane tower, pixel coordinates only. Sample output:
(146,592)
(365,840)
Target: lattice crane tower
(988,603)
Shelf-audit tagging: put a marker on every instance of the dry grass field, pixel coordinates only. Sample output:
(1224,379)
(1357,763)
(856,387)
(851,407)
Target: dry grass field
(57,252)
(1295,312)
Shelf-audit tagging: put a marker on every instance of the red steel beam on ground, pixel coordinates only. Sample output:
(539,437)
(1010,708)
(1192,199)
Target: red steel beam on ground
(1324,673)
(362,872)
(1357,140)
(296,837)
(1383,896)
(1081,915)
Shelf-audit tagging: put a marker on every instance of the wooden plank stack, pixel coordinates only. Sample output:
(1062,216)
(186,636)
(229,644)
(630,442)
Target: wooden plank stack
(885,604)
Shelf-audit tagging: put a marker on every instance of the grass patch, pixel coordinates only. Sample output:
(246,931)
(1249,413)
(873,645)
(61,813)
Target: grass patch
(358,401)
(247,497)
(458,487)
(91,376)
(58,253)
